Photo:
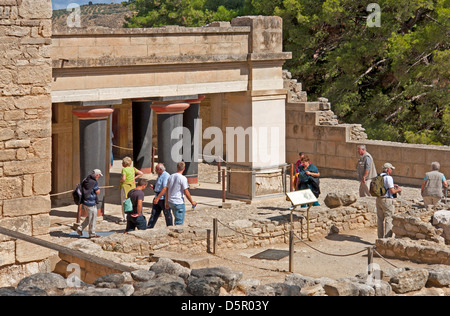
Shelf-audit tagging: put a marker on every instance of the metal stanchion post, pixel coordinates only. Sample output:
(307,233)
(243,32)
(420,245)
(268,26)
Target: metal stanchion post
(291,251)
(370,260)
(223,186)
(153,159)
(215,234)
(292,178)
(219,167)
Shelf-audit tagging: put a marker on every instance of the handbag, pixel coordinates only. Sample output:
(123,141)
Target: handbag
(128,206)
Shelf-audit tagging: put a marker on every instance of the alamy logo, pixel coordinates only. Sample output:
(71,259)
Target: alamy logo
(252,144)
(374,18)
(74,19)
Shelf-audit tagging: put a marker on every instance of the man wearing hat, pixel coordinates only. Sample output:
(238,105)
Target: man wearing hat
(385,204)
(89,198)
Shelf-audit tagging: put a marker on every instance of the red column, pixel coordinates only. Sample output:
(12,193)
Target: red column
(93,141)
(170,117)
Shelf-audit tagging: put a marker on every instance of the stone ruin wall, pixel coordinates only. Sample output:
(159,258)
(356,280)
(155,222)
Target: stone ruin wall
(420,236)
(25,132)
(312,127)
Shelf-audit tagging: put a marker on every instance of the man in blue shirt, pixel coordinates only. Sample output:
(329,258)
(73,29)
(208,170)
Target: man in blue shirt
(160,189)
(90,191)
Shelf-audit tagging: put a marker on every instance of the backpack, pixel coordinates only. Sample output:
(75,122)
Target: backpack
(77,195)
(377,187)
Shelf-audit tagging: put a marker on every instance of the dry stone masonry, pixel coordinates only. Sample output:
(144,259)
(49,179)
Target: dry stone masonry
(420,236)
(25,132)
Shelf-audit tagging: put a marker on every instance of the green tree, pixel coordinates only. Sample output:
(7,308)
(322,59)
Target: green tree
(155,13)
(393,79)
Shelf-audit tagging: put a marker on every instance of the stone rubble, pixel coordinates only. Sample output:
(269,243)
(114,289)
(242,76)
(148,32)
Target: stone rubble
(166,278)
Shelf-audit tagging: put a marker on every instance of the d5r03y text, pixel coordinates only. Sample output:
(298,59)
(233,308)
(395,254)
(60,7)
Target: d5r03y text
(246,305)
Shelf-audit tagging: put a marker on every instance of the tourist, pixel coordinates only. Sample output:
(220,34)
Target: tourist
(366,171)
(385,204)
(127,182)
(299,161)
(298,165)
(308,178)
(159,201)
(89,200)
(136,218)
(177,185)
(432,185)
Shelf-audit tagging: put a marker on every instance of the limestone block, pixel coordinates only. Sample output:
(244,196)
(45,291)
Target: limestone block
(343,288)
(42,147)
(28,252)
(33,102)
(32,9)
(30,166)
(10,187)
(266,32)
(34,129)
(18,224)
(442,219)
(439,276)
(26,206)
(6,155)
(41,224)
(42,183)
(7,253)
(409,280)
(37,74)
(333,200)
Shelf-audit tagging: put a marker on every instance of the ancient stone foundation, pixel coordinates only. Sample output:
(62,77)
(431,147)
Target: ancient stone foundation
(259,231)
(420,236)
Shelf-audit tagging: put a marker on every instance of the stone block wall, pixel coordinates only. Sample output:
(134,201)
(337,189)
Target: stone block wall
(416,239)
(412,227)
(259,231)
(25,132)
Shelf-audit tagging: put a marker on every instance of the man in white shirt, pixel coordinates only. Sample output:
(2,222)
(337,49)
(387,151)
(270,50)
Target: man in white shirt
(177,185)
(385,204)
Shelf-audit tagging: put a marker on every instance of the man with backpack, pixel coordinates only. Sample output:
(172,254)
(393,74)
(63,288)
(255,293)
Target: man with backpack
(385,202)
(89,200)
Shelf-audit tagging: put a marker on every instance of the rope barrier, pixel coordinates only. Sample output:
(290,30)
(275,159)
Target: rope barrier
(115,146)
(330,254)
(383,258)
(67,192)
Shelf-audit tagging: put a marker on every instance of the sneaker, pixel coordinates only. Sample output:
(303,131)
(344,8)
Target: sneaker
(79,232)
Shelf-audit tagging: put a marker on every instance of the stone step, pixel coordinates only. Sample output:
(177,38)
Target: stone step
(186,260)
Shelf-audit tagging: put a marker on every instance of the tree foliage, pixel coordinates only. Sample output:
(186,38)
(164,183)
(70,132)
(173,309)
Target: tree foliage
(393,79)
